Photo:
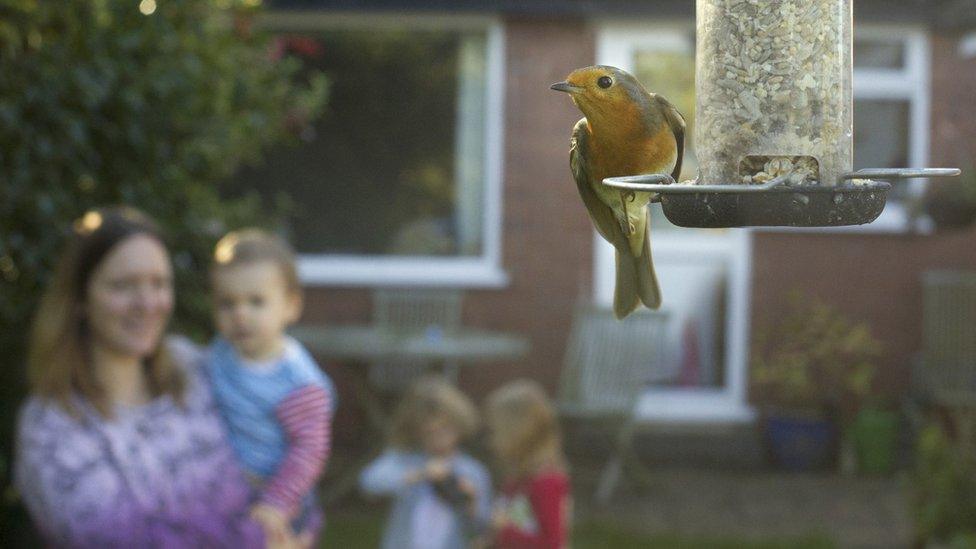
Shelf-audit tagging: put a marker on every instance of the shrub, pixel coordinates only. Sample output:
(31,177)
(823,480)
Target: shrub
(144,103)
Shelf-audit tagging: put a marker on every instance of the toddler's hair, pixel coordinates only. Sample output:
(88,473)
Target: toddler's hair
(520,414)
(249,246)
(427,398)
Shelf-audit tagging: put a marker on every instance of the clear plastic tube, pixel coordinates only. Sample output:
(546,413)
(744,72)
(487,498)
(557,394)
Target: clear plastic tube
(774,90)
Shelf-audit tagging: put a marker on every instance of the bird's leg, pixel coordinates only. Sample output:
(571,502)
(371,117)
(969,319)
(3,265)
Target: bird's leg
(625,224)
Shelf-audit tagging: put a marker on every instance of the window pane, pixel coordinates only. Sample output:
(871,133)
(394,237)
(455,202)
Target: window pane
(395,164)
(881,136)
(879,54)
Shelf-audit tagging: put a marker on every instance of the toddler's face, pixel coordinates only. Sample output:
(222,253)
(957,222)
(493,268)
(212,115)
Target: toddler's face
(253,306)
(439,436)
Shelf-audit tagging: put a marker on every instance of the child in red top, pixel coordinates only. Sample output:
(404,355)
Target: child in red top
(535,506)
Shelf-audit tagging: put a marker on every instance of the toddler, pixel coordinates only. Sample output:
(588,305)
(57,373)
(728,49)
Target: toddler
(442,495)
(535,505)
(277,403)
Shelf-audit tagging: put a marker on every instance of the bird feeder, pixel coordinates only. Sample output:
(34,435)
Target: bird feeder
(774,122)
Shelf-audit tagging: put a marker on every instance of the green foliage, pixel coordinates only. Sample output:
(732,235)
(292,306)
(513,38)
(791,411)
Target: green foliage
(944,489)
(813,358)
(105,105)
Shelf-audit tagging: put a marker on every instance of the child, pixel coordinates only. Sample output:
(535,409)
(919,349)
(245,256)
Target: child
(535,505)
(442,495)
(277,403)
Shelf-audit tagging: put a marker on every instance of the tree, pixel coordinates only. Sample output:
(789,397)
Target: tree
(144,103)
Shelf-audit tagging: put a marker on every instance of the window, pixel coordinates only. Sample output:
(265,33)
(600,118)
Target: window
(891,108)
(399,183)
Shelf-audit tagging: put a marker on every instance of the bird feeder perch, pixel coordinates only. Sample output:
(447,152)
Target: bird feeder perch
(774,122)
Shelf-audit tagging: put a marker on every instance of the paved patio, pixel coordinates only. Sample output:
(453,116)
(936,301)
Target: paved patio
(759,505)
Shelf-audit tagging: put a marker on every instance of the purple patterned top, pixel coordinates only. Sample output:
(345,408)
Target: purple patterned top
(156,475)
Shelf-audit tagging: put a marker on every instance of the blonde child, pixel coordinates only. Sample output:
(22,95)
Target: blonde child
(276,402)
(534,507)
(442,495)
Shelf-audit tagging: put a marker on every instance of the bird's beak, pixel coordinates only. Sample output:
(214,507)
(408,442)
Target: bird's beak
(565,87)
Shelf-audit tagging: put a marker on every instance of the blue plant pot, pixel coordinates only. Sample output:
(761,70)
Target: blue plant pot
(800,444)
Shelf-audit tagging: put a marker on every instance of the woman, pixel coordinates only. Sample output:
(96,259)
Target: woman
(119,444)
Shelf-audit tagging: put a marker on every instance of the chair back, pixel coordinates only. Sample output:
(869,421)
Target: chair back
(949,336)
(424,310)
(609,362)
(417,309)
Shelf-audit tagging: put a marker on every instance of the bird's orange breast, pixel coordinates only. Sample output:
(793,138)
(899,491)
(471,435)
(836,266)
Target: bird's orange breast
(621,153)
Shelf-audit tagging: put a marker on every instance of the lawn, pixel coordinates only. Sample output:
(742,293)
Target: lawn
(349,530)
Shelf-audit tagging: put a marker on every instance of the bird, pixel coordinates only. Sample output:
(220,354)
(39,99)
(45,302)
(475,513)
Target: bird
(625,130)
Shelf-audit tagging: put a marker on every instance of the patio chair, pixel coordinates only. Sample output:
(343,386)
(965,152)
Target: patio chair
(608,363)
(431,311)
(948,365)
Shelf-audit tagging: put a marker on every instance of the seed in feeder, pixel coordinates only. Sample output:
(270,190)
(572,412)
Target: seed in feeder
(798,99)
(791,84)
(751,104)
(796,178)
(808,81)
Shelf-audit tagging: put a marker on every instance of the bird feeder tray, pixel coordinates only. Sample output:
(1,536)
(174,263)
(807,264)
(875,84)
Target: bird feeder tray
(858,200)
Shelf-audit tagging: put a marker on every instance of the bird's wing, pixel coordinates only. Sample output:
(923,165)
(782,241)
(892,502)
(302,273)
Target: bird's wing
(600,213)
(677,124)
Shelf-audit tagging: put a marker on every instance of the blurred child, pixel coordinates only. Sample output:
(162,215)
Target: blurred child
(443,496)
(535,506)
(277,403)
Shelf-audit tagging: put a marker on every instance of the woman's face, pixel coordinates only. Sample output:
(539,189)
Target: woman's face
(130,297)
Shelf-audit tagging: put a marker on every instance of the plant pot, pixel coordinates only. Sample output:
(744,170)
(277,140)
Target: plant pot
(800,443)
(875,437)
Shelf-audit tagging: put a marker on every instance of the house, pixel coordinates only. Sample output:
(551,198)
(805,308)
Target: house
(442,160)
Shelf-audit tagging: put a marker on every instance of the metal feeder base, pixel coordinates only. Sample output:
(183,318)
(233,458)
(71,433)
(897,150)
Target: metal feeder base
(811,206)
(774,203)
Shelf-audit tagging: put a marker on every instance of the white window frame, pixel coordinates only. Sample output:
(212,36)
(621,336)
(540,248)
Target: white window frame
(910,83)
(484,271)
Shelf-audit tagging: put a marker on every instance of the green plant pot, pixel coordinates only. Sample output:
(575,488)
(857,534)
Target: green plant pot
(875,437)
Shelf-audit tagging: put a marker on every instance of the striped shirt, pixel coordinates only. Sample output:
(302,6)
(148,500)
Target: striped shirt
(278,419)
(305,417)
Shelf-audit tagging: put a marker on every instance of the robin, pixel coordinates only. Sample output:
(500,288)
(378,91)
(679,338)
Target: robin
(626,130)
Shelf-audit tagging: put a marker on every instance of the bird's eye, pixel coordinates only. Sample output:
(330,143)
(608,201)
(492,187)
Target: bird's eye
(604,82)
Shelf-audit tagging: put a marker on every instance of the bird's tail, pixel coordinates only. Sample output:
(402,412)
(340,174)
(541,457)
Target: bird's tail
(636,282)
